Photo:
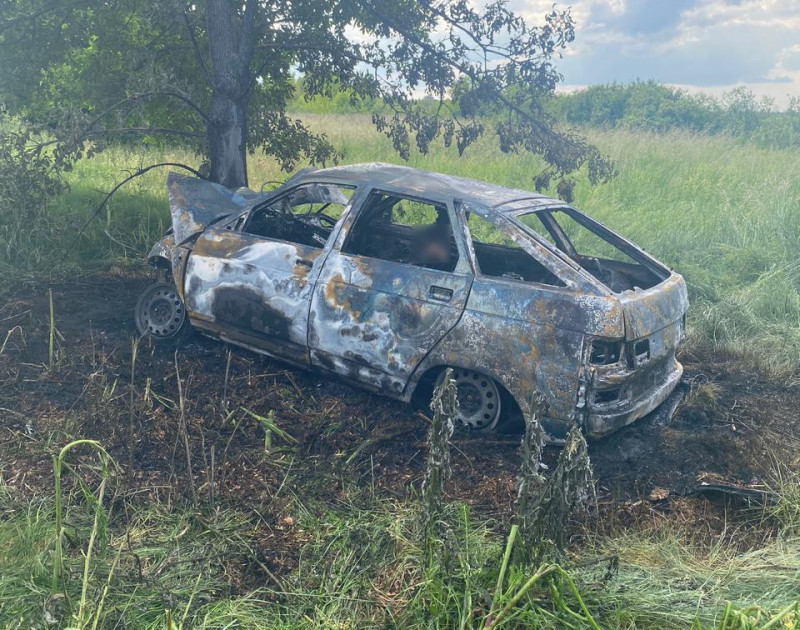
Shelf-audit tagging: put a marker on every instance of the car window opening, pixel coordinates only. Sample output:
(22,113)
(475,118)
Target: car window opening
(499,256)
(404,230)
(306,215)
(615,264)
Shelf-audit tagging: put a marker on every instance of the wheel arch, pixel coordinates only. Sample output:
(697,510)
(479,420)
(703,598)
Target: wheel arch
(159,263)
(169,261)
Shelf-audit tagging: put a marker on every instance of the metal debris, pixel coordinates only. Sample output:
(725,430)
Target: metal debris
(711,485)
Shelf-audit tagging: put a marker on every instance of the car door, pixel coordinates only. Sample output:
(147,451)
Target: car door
(251,284)
(383,300)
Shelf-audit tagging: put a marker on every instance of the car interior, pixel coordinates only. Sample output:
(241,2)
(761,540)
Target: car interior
(404,230)
(513,263)
(306,215)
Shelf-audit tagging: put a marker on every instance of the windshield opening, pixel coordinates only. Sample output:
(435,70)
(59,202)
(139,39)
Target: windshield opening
(608,258)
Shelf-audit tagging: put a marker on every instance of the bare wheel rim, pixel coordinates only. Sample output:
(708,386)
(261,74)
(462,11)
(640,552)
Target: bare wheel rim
(160,312)
(478,399)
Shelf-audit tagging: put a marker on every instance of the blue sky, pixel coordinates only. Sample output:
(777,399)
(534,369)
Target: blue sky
(701,45)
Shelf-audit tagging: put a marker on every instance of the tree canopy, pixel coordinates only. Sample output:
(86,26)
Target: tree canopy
(217,75)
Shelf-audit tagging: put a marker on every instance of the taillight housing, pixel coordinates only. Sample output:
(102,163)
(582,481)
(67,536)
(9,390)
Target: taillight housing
(605,352)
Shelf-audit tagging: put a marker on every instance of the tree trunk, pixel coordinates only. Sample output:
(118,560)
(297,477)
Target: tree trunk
(227,139)
(231,40)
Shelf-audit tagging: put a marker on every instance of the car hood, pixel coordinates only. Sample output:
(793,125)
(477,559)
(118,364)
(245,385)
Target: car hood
(647,312)
(194,203)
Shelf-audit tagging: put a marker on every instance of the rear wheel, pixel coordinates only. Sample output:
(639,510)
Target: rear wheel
(160,314)
(479,399)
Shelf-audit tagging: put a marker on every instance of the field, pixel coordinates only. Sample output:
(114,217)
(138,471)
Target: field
(242,493)
(724,213)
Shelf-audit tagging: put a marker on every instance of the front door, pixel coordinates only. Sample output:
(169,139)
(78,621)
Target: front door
(394,284)
(251,285)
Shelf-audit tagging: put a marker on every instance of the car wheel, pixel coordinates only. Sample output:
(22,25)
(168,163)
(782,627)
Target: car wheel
(160,314)
(479,400)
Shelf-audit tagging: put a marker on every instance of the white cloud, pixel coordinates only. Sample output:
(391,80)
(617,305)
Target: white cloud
(708,45)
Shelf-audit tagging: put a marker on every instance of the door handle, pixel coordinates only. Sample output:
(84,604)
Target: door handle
(305,262)
(441,294)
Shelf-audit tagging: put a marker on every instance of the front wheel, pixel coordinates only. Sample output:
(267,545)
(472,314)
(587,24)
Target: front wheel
(160,314)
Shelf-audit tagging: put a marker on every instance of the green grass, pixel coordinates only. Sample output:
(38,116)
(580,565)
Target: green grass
(150,566)
(666,578)
(360,568)
(359,559)
(724,214)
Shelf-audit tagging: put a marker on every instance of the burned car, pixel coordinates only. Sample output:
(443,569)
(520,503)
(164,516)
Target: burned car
(386,275)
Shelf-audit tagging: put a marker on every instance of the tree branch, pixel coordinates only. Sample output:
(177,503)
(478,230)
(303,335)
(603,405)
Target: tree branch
(139,97)
(280,47)
(147,131)
(467,71)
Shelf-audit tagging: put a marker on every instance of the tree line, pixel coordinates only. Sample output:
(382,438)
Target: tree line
(639,106)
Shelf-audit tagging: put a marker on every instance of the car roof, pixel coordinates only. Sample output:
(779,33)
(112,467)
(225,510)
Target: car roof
(497,198)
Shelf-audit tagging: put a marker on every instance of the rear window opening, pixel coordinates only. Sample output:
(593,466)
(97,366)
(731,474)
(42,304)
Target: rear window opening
(599,251)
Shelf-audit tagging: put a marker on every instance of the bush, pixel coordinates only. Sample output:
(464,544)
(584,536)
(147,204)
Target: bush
(653,107)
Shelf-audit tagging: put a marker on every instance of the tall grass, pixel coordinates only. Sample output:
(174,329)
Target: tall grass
(667,576)
(725,215)
(161,564)
(361,565)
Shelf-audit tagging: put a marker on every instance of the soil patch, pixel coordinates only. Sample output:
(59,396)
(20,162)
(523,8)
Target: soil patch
(341,437)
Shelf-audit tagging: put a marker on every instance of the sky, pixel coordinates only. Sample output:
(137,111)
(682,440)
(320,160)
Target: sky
(701,45)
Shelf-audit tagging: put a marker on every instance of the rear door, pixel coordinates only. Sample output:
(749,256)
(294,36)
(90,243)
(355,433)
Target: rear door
(394,284)
(252,284)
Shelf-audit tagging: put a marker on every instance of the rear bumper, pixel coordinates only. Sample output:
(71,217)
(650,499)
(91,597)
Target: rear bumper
(603,419)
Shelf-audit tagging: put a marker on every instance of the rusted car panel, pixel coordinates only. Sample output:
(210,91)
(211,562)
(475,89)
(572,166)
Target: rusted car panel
(374,318)
(647,311)
(524,356)
(598,337)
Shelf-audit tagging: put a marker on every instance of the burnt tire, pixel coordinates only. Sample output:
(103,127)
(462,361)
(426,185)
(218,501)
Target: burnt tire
(160,314)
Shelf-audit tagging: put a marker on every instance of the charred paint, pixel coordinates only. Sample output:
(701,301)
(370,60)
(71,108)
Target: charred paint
(252,284)
(246,308)
(381,314)
(384,325)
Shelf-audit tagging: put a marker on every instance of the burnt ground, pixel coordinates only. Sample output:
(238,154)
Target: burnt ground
(733,427)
